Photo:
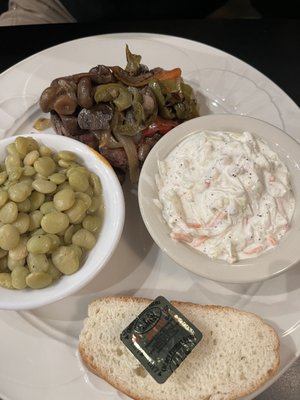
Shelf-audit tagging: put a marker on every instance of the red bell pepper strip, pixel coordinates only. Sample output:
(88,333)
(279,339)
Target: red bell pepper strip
(160,125)
(167,74)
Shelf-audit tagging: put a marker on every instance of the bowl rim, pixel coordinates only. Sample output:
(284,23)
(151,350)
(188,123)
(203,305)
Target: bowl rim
(112,190)
(265,266)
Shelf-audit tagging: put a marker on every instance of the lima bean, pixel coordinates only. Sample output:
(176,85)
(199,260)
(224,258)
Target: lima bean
(84,238)
(77,212)
(19,192)
(31,157)
(9,237)
(53,271)
(25,145)
(79,181)
(20,251)
(45,151)
(5,280)
(36,200)
(12,264)
(8,213)
(39,244)
(57,178)
(28,170)
(91,223)
(66,260)
(66,155)
(43,186)
(18,277)
(44,166)
(35,218)
(37,262)
(47,207)
(3,197)
(3,177)
(85,198)
(38,280)
(64,199)
(55,222)
(24,206)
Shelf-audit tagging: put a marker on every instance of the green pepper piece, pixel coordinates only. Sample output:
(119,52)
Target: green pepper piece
(193,109)
(114,92)
(136,94)
(155,86)
(133,62)
(186,110)
(132,128)
(186,90)
(128,129)
(171,85)
(138,120)
(138,112)
(180,110)
(163,110)
(151,118)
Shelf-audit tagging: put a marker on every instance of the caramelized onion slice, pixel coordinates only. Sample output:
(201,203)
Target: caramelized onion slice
(131,152)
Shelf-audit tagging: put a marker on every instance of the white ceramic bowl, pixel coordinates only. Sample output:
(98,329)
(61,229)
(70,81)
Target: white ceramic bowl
(108,238)
(270,263)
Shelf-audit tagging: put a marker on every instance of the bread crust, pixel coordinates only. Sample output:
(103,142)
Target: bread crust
(104,374)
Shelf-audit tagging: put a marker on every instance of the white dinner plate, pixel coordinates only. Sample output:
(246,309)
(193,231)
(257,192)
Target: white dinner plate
(38,348)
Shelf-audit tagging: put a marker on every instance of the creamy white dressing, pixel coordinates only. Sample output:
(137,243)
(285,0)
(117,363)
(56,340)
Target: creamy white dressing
(227,195)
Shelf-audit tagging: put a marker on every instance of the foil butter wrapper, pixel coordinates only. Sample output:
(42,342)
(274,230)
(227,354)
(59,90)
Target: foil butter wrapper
(161,337)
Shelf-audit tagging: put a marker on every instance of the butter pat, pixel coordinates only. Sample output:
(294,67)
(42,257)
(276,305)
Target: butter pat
(161,338)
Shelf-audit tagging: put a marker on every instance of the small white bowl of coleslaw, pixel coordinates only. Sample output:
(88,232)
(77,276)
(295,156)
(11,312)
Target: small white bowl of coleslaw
(220,195)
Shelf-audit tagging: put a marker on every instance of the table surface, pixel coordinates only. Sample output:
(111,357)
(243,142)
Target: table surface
(272,46)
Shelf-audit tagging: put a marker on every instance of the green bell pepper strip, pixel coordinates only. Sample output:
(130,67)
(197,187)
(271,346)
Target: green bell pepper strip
(181,112)
(114,92)
(163,110)
(140,120)
(133,62)
(171,85)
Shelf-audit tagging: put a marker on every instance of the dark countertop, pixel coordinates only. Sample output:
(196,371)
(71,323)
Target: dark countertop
(269,45)
(272,46)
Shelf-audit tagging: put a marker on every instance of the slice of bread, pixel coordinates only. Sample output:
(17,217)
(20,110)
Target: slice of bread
(238,353)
